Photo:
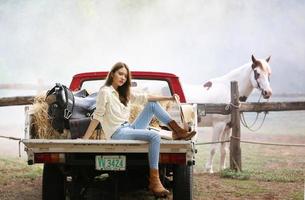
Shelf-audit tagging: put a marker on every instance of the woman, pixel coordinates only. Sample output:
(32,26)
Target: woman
(113,110)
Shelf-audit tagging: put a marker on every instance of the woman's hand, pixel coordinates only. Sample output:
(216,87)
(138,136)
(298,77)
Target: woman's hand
(87,134)
(176,97)
(160,98)
(93,124)
(85,137)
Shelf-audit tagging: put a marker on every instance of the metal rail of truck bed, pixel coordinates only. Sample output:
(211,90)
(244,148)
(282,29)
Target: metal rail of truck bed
(101,146)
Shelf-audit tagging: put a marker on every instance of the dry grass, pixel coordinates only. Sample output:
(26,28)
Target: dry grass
(135,110)
(40,122)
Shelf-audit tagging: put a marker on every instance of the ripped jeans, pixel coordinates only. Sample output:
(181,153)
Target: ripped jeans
(138,130)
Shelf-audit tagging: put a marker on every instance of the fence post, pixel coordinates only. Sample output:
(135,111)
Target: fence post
(235,151)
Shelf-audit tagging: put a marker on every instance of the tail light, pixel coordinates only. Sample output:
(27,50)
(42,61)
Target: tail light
(173,158)
(49,158)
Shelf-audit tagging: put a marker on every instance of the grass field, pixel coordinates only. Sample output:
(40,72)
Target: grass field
(15,169)
(18,180)
(269,172)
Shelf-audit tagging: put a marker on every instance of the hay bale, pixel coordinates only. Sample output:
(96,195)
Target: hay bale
(136,109)
(98,134)
(40,122)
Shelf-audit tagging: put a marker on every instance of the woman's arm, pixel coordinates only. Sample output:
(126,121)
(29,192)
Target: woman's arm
(162,98)
(98,114)
(93,124)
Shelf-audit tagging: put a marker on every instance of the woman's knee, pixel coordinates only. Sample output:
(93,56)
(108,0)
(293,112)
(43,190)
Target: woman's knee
(151,104)
(155,137)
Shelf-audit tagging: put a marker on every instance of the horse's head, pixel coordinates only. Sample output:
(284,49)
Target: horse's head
(260,76)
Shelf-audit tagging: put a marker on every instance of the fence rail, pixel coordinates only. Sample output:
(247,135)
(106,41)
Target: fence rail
(272,106)
(252,142)
(226,109)
(213,108)
(16,101)
(203,108)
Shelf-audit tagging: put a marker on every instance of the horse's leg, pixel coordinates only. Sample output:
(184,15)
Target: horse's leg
(217,130)
(224,147)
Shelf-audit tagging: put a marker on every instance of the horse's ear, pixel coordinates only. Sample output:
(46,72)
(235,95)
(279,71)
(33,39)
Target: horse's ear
(268,59)
(253,59)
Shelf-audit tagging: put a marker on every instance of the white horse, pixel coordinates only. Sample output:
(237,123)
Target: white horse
(255,74)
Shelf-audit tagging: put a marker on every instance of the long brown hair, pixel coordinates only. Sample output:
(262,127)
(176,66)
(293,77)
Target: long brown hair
(124,90)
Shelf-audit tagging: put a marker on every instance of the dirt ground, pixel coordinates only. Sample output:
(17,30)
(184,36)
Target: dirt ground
(206,186)
(27,190)
(214,188)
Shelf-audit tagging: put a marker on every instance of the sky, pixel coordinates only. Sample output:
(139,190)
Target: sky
(43,42)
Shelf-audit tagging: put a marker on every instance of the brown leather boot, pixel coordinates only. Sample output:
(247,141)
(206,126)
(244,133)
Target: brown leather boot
(179,133)
(155,185)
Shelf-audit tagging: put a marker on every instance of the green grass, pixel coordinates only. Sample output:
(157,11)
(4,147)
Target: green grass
(275,165)
(248,181)
(279,175)
(12,169)
(297,195)
(228,173)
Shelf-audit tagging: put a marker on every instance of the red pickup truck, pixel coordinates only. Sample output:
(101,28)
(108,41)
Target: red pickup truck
(72,168)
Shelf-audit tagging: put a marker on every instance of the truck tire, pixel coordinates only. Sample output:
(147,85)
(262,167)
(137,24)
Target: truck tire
(52,183)
(183,182)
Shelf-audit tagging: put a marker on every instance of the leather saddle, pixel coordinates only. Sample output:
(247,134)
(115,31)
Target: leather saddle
(84,106)
(69,110)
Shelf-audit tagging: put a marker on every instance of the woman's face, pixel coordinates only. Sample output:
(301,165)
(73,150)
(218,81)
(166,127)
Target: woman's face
(119,77)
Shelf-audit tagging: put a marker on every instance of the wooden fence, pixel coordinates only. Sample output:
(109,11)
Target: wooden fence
(234,109)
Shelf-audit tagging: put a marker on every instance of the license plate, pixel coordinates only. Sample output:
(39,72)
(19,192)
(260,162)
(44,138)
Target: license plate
(111,163)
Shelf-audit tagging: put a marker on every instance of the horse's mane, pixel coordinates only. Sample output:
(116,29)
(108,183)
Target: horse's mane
(246,68)
(235,72)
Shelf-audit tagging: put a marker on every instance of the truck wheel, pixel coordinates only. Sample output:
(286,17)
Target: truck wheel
(182,182)
(52,183)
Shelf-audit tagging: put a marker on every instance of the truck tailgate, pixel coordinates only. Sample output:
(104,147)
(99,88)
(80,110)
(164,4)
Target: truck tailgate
(101,146)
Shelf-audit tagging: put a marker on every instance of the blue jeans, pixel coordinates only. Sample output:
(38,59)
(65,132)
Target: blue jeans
(138,130)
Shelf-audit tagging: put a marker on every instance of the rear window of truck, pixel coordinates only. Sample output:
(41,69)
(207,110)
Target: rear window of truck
(155,87)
